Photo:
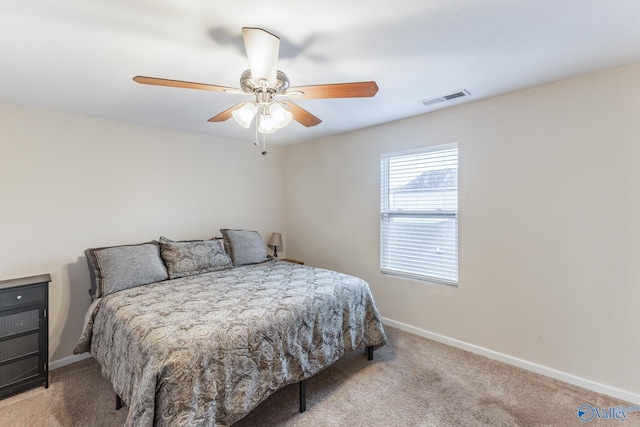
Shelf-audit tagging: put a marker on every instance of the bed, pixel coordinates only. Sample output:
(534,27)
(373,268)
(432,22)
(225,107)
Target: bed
(206,348)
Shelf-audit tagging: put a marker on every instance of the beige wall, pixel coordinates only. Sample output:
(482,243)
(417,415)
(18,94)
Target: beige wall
(549,230)
(549,223)
(69,182)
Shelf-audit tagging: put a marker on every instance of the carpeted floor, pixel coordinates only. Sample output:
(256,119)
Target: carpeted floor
(412,381)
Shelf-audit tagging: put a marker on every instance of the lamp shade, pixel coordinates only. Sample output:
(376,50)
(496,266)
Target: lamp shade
(280,116)
(267,125)
(245,114)
(275,240)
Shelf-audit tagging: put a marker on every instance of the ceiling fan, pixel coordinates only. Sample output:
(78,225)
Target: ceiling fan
(268,85)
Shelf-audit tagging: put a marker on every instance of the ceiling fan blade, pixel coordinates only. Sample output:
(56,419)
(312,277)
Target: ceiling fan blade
(226,114)
(337,90)
(262,49)
(301,115)
(178,83)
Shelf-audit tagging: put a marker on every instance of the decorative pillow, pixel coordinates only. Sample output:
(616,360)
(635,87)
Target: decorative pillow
(244,247)
(193,257)
(121,267)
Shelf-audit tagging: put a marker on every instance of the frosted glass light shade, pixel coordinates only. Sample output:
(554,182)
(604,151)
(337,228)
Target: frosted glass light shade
(245,114)
(280,116)
(267,124)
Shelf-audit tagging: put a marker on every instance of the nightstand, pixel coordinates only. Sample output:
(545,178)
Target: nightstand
(24,333)
(293,261)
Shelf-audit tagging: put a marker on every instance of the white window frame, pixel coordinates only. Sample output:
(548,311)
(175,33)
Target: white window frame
(389,262)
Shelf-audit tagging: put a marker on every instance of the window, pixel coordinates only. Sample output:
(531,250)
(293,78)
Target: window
(419,214)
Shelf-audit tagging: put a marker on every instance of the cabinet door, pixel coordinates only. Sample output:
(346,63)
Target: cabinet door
(21,340)
(20,370)
(17,322)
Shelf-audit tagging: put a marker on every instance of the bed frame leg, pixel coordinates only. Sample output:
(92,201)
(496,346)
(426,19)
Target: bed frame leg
(303,396)
(369,352)
(118,403)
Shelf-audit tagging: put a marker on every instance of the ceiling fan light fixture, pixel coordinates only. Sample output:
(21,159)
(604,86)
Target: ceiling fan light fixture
(265,83)
(245,114)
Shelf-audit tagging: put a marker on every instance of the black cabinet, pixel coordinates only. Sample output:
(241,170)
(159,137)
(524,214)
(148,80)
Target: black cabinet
(24,333)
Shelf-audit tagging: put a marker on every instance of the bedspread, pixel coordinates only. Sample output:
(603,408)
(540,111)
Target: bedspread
(205,350)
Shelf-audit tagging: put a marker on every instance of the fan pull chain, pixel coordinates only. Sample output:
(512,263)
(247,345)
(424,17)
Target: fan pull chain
(264,144)
(255,141)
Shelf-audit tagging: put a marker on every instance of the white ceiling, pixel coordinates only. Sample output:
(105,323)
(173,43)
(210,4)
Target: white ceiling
(79,56)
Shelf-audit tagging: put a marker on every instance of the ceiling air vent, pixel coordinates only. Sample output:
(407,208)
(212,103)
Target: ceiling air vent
(448,97)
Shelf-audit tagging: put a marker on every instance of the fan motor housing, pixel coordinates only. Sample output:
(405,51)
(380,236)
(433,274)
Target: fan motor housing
(250,86)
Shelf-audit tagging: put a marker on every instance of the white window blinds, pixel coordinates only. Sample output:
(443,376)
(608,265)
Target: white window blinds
(419,214)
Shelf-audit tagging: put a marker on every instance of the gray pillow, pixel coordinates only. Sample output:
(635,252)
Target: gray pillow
(121,267)
(244,247)
(193,257)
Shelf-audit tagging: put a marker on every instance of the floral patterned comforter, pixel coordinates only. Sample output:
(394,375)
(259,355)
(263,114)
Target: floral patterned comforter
(205,350)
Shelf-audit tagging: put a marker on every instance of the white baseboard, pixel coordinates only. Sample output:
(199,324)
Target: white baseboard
(55,364)
(520,363)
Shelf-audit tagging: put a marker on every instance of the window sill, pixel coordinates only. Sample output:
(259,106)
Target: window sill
(419,278)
